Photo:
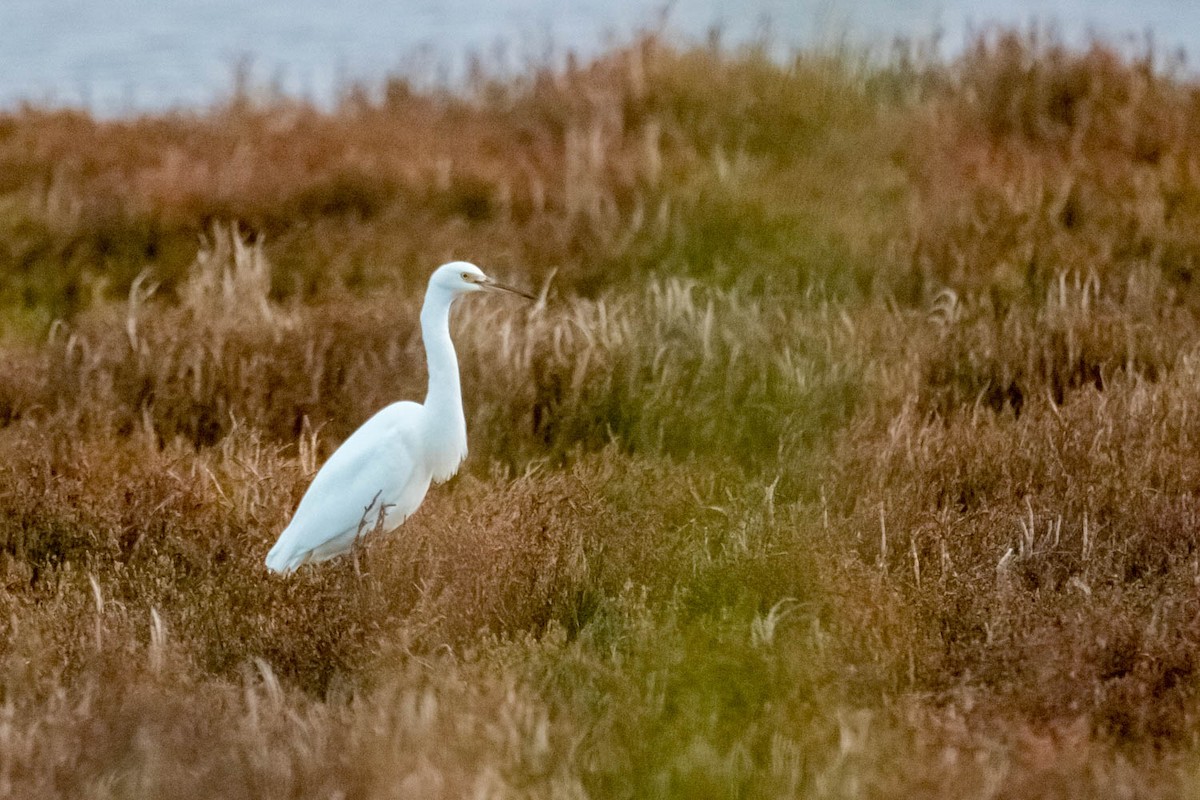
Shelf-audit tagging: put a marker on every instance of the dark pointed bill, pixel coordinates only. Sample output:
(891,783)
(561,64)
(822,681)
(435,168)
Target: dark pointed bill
(491,285)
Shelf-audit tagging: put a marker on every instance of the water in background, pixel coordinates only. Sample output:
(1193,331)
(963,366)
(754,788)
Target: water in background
(122,56)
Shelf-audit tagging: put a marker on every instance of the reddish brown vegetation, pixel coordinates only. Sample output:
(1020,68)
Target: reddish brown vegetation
(851,451)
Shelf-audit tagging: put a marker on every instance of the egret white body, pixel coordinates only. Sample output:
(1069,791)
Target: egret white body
(382,472)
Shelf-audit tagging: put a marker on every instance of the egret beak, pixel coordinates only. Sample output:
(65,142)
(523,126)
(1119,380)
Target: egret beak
(492,286)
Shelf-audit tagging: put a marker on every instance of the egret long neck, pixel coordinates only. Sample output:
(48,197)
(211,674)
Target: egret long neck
(444,399)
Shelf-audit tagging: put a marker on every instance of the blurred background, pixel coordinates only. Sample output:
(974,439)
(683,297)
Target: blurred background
(116,57)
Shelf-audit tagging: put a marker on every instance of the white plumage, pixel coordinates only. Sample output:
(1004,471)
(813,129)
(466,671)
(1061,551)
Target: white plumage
(389,462)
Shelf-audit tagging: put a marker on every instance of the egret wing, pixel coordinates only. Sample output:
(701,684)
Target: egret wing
(377,466)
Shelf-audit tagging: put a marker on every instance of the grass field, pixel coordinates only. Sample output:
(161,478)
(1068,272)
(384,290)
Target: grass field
(852,451)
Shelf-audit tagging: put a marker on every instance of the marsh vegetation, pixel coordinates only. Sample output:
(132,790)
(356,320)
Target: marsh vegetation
(853,449)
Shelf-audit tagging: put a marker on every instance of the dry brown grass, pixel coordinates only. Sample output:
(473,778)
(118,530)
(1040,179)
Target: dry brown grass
(1033,160)
(851,450)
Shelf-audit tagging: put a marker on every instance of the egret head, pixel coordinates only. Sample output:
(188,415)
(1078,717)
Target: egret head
(462,277)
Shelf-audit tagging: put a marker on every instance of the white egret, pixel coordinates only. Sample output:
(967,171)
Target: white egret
(381,473)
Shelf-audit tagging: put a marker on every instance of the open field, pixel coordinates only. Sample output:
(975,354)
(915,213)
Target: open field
(852,451)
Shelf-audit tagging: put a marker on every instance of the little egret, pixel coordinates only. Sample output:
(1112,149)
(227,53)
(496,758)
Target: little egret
(381,473)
